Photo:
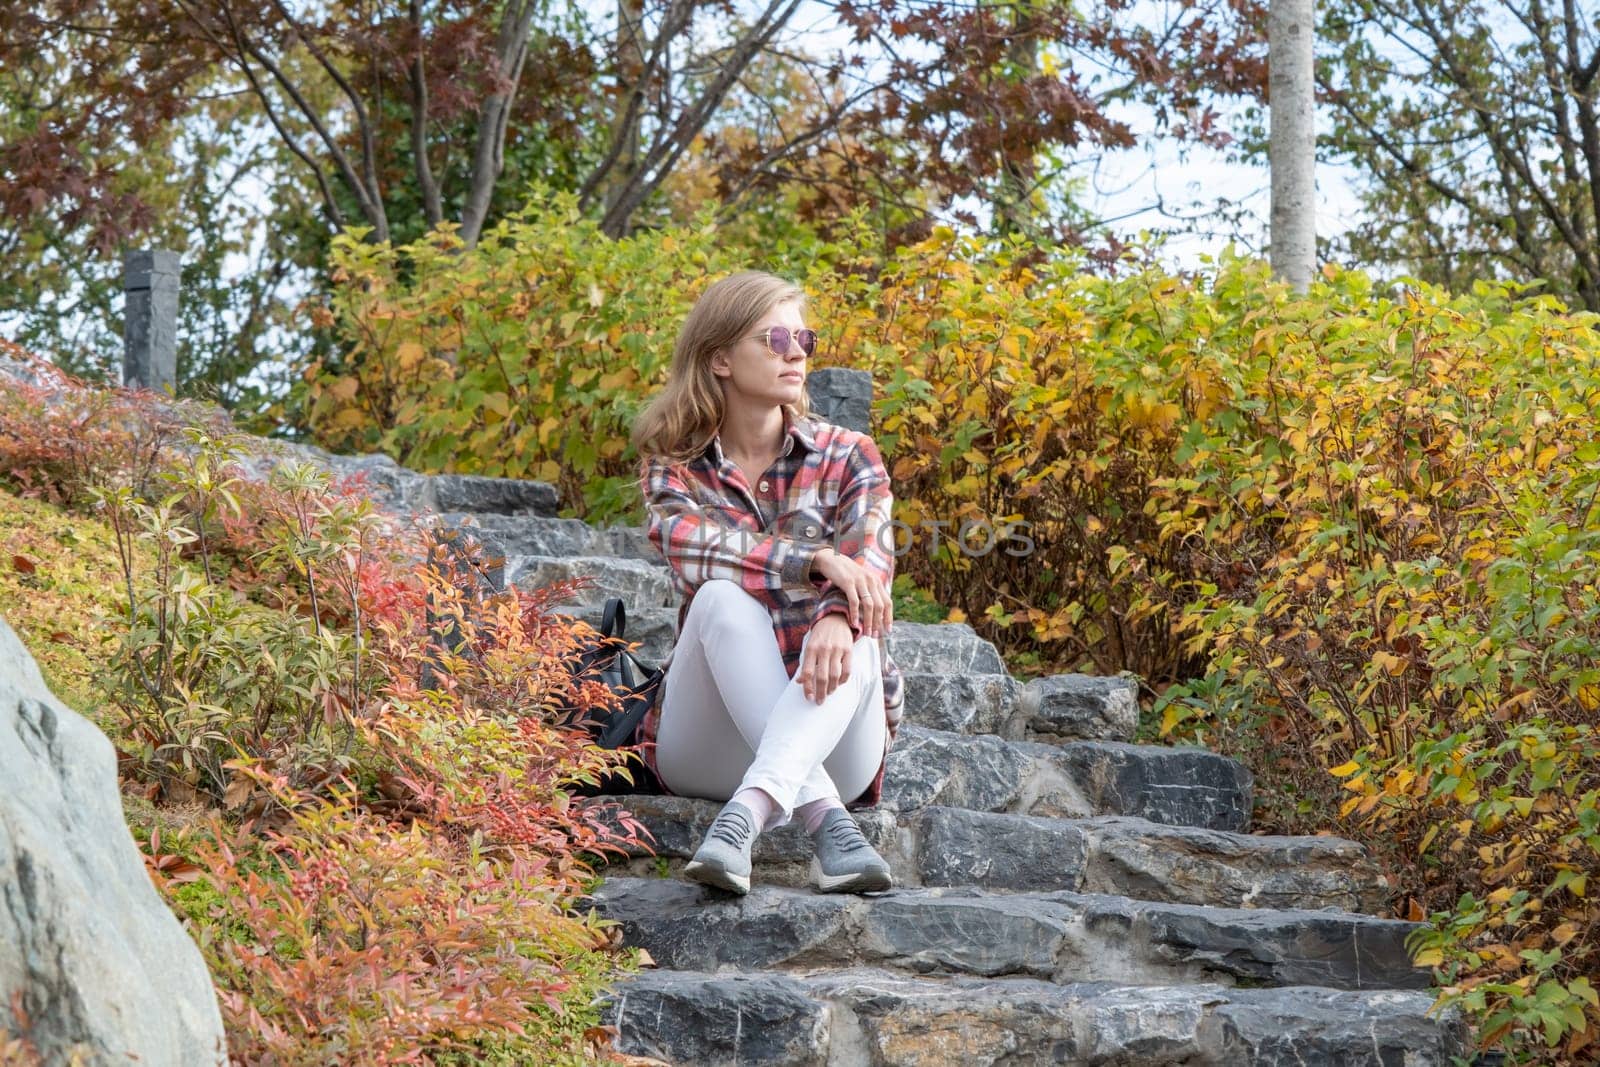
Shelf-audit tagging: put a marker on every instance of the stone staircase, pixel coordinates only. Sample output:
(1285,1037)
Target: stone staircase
(1062,896)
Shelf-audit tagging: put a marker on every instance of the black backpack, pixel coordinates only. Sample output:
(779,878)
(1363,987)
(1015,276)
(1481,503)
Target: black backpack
(637,686)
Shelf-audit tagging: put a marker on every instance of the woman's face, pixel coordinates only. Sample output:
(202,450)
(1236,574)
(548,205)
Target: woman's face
(752,374)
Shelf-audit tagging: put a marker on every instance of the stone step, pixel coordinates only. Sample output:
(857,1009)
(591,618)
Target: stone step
(641,585)
(1182,785)
(537,535)
(961,702)
(863,1018)
(942,648)
(402,490)
(1130,857)
(1057,937)
(1076,707)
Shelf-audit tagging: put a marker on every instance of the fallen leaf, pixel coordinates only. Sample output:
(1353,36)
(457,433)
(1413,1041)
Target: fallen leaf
(24,565)
(237,793)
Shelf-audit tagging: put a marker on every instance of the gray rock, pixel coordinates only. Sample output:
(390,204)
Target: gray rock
(1060,937)
(965,703)
(955,847)
(99,961)
(384,481)
(1117,855)
(723,1021)
(866,1018)
(1138,858)
(1076,707)
(539,535)
(971,771)
(500,496)
(531,535)
(1182,786)
(639,584)
(911,1022)
(942,648)
(628,542)
(841,396)
(1193,864)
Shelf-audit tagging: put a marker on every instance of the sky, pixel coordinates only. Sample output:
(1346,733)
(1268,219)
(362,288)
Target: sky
(1129,189)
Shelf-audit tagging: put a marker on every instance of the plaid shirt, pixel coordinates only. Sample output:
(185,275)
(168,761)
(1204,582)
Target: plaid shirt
(827,489)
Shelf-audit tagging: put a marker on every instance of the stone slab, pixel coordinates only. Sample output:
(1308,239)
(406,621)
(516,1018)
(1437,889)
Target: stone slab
(1078,707)
(1059,937)
(863,1018)
(640,585)
(1118,855)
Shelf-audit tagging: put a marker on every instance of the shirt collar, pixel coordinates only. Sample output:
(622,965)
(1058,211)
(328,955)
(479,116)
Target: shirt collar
(795,430)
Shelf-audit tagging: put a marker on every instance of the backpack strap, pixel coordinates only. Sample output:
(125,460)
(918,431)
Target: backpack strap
(614,621)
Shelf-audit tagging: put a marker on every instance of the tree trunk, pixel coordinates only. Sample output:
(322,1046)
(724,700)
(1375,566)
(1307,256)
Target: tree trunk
(1292,149)
(626,120)
(1014,211)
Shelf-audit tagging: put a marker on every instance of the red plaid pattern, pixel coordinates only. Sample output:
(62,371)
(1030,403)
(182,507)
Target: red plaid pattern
(828,489)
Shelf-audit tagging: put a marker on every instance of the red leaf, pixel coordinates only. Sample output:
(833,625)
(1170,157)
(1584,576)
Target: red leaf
(24,565)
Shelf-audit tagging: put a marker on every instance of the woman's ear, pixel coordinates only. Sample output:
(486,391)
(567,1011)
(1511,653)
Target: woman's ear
(719,363)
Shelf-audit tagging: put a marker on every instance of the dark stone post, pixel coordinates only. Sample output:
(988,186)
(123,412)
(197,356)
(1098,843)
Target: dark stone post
(150,324)
(842,396)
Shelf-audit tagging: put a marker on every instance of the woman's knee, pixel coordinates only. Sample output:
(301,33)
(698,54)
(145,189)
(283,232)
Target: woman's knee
(863,654)
(724,603)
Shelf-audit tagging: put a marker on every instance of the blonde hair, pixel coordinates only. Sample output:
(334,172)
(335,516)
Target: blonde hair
(678,423)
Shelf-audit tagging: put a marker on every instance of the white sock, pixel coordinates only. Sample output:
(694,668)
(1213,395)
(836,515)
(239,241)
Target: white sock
(813,813)
(760,804)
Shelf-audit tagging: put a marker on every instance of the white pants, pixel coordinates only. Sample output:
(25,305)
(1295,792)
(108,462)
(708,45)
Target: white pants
(731,718)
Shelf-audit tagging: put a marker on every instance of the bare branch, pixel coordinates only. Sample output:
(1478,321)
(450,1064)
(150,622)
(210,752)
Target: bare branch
(488,156)
(369,164)
(431,201)
(240,57)
(664,153)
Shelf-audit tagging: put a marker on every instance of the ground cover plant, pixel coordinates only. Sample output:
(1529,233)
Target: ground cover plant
(370,836)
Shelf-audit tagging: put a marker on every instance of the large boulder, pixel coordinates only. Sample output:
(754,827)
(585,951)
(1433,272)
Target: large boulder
(88,950)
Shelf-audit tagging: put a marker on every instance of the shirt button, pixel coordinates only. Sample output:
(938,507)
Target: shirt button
(763,485)
(811,531)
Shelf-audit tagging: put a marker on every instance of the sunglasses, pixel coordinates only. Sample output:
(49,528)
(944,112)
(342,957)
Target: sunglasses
(778,339)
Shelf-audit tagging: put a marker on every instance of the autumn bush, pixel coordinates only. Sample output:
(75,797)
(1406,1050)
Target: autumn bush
(388,865)
(1349,538)
(525,357)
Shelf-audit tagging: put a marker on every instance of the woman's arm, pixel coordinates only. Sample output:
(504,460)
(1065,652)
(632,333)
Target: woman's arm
(699,548)
(862,521)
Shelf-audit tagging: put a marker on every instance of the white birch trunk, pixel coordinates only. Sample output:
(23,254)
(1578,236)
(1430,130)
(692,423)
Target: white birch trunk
(1292,149)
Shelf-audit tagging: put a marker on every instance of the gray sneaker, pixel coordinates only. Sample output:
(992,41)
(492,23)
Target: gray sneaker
(845,862)
(723,859)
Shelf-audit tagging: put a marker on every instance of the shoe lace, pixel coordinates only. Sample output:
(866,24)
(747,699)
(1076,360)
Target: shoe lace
(732,827)
(846,835)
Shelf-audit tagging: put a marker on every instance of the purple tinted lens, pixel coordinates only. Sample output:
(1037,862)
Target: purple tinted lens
(778,339)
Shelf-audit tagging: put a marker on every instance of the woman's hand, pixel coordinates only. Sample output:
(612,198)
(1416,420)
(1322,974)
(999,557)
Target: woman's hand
(825,662)
(871,606)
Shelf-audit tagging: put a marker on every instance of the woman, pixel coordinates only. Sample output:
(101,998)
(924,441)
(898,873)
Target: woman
(780,697)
